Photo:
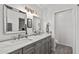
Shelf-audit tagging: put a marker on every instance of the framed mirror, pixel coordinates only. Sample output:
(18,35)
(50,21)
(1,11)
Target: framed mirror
(29,23)
(36,24)
(14,20)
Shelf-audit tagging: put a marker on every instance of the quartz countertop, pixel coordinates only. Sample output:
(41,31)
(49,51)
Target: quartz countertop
(12,45)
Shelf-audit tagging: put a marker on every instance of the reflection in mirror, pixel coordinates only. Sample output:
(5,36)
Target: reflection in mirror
(36,24)
(9,27)
(21,24)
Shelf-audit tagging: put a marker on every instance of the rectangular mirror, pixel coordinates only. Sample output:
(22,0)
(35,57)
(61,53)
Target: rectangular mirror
(29,23)
(36,24)
(14,20)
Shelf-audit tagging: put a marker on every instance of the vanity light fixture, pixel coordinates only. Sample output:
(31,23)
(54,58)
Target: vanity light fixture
(27,9)
(32,11)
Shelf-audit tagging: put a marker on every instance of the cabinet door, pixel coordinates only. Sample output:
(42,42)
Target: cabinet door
(46,46)
(38,48)
(43,49)
(49,45)
(48,42)
(17,52)
(29,51)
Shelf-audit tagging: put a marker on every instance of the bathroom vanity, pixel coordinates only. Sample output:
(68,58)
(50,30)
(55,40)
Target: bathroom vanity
(15,22)
(40,44)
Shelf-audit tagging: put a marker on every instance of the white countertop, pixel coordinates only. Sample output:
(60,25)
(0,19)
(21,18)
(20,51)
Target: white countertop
(12,45)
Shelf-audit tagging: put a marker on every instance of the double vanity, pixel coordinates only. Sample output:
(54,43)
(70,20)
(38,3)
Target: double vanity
(40,44)
(16,22)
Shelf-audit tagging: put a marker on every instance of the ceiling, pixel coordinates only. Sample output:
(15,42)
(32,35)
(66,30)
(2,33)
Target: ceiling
(42,7)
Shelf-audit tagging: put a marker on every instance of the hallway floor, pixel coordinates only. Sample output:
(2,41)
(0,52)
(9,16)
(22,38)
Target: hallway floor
(62,49)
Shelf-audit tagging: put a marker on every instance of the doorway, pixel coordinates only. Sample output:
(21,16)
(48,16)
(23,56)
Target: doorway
(64,27)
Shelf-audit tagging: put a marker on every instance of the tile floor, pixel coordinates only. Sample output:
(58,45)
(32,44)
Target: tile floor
(62,49)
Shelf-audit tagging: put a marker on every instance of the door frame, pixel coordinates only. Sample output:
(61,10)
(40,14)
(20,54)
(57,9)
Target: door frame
(55,18)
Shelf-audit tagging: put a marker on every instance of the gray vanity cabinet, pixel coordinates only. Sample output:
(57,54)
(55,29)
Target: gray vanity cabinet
(42,46)
(43,49)
(46,46)
(19,51)
(28,49)
(38,47)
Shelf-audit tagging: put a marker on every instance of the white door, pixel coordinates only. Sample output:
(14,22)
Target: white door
(64,29)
